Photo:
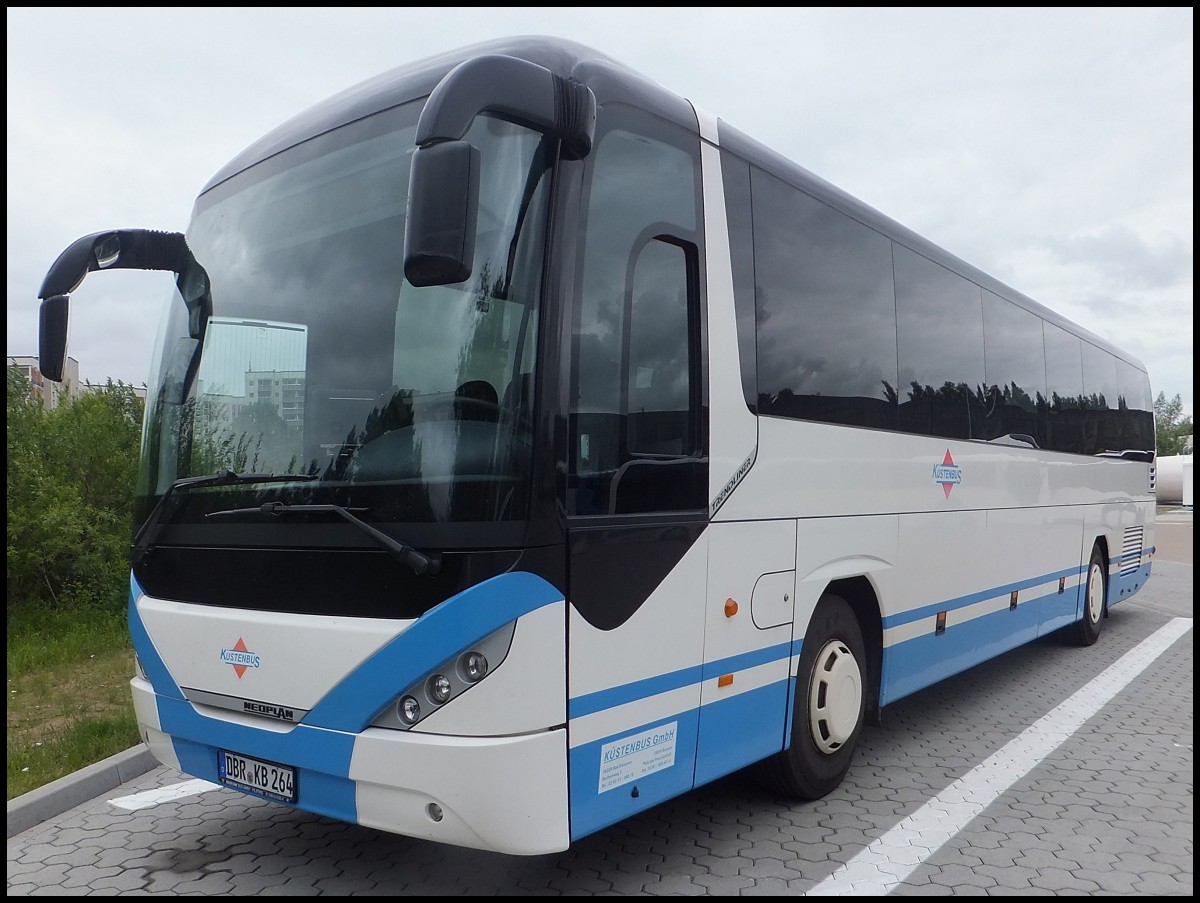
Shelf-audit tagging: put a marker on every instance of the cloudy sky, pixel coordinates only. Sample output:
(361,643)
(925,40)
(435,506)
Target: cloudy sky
(1049,147)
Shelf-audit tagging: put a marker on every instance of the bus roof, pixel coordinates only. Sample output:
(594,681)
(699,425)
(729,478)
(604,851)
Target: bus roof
(613,81)
(609,79)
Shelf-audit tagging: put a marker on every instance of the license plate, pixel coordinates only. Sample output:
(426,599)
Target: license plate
(275,782)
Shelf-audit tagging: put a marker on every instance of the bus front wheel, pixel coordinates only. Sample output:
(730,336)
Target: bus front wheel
(830,705)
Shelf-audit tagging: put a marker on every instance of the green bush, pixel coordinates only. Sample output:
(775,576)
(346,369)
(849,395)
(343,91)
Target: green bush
(71,473)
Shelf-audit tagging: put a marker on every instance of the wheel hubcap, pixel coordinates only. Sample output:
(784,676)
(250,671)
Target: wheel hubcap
(1095,594)
(835,697)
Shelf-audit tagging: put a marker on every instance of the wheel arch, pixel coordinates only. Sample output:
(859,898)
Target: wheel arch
(863,600)
(1101,543)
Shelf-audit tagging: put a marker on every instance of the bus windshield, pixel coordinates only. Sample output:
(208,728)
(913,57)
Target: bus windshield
(320,359)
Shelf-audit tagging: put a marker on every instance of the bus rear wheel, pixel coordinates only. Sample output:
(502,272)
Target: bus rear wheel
(830,705)
(1087,628)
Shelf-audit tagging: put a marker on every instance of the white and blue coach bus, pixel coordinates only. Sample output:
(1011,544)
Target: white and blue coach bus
(525,447)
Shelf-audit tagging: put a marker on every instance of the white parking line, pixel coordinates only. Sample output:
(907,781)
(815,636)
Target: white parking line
(156,795)
(896,854)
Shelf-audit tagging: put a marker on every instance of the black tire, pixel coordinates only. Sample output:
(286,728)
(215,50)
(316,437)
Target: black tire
(1086,631)
(831,695)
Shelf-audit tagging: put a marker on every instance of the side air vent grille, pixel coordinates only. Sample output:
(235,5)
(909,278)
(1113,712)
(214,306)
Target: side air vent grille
(1131,551)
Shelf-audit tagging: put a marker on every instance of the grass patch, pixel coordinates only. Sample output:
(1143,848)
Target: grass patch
(69,703)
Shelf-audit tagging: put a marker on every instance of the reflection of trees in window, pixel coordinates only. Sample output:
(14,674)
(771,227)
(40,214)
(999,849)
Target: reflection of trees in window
(939,340)
(246,437)
(393,417)
(952,410)
(637,443)
(209,442)
(1014,370)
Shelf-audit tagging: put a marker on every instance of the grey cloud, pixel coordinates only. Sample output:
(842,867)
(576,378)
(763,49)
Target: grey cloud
(1121,254)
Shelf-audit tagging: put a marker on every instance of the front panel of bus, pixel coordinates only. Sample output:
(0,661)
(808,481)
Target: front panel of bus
(372,627)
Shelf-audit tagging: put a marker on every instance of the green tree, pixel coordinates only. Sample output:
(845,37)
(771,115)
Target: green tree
(71,473)
(1170,428)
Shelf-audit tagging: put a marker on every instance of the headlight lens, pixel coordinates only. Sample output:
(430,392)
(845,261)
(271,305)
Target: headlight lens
(409,710)
(440,688)
(474,666)
(426,695)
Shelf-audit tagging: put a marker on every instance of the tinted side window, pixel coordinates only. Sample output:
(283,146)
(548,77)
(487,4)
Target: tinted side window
(1102,416)
(826,311)
(636,413)
(1014,372)
(939,319)
(660,377)
(1137,408)
(1064,380)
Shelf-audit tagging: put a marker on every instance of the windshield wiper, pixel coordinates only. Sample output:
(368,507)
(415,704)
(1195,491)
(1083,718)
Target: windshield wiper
(418,561)
(143,542)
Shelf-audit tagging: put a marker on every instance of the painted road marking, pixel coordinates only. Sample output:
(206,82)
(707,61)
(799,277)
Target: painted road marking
(895,855)
(156,795)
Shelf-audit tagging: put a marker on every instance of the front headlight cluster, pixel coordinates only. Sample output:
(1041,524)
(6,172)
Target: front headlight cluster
(452,679)
(442,686)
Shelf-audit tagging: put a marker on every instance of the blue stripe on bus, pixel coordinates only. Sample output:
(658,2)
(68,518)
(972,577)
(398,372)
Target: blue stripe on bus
(1044,613)
(715,737)
(321,757)
(321,753)
(929,611)
(590,809)
(922,661)
(601,700)
(436,636)
(742,729)
(745,660)
(156,671)
(914,664)
(590,703)
(1122,587)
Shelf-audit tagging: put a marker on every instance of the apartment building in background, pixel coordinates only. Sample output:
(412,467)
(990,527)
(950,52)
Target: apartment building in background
(50,393)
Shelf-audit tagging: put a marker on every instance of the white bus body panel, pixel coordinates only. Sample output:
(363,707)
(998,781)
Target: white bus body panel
(504,791)
(634,700)
(664,636)
(524,695)
(946,527)
(806,469)
(507,794)
(746,692)
(734,437)
(293,660)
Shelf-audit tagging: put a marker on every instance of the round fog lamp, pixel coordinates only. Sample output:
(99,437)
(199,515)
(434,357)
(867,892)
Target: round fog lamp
(474,666)
(409,710)
(439,688)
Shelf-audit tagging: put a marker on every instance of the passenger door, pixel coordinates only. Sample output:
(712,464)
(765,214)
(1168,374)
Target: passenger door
(637,479)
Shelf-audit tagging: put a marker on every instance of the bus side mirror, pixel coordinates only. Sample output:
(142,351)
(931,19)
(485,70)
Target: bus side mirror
(120,249)
(52,336)
(443,210)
